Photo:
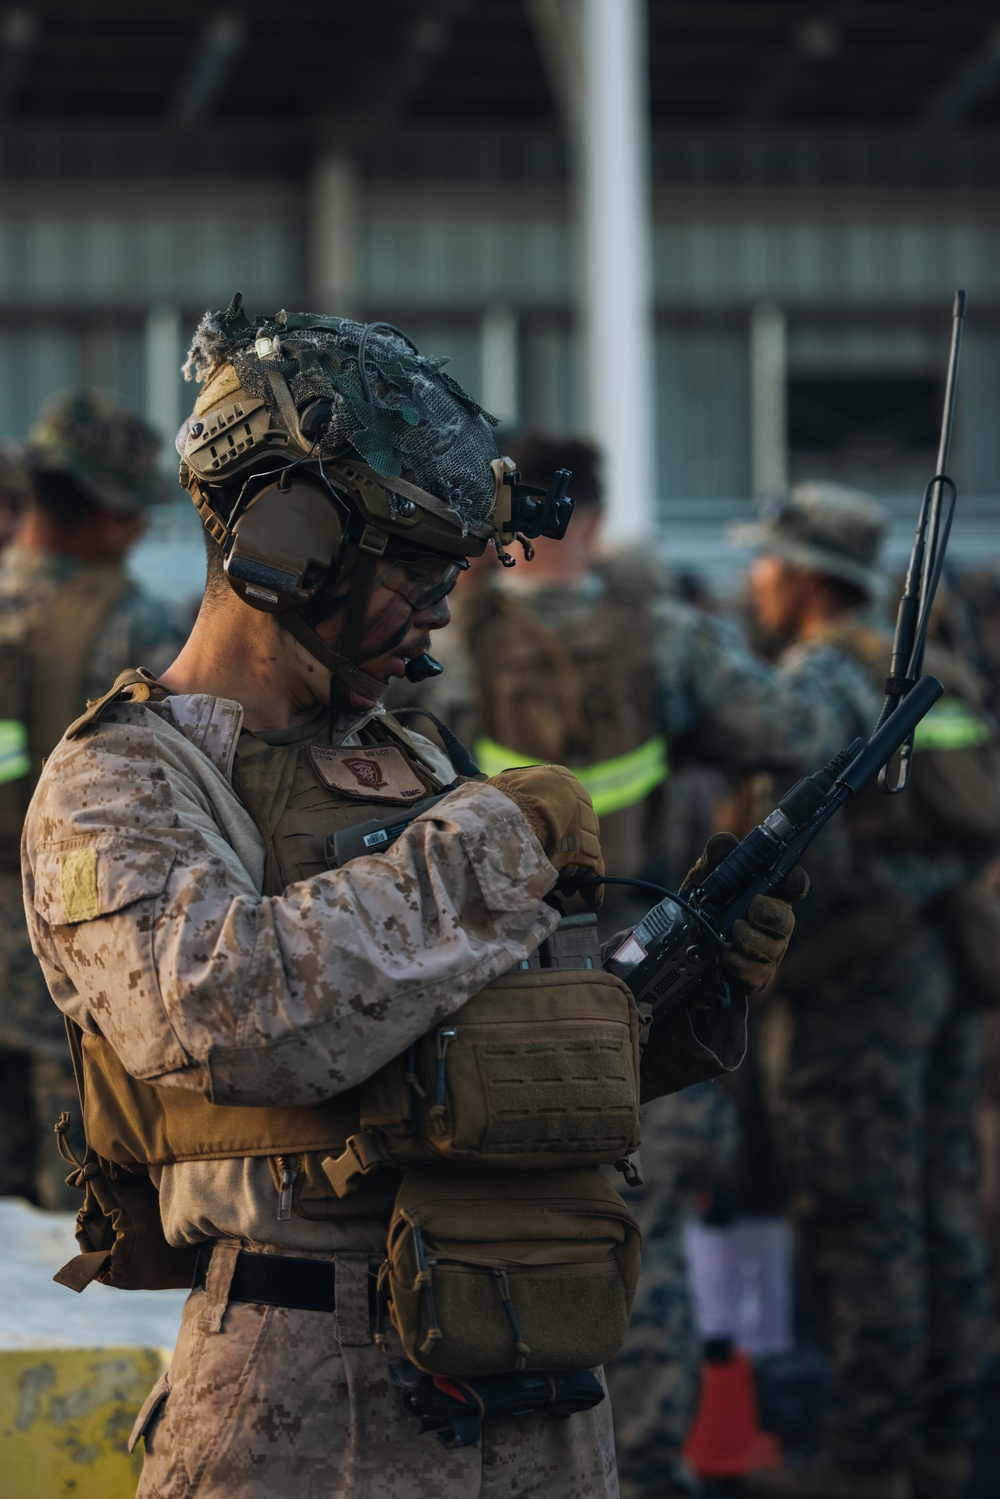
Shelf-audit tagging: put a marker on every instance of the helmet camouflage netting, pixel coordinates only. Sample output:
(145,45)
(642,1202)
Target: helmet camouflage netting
(395,407)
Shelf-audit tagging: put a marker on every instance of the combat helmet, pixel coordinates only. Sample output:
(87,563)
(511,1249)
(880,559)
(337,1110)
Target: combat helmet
(315,438)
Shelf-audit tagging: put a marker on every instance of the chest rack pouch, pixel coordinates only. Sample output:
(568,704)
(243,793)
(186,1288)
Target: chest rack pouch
(538,1071)
(491,1272)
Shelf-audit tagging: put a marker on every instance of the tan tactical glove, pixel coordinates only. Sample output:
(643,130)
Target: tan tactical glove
(562,818)
(761,940)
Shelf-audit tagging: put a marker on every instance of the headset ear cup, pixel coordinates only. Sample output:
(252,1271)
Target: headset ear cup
(284,545)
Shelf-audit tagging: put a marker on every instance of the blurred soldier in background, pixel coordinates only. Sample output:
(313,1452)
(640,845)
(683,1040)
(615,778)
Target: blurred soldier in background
(70,620)
(871,1053)
(15,490)
(593,664)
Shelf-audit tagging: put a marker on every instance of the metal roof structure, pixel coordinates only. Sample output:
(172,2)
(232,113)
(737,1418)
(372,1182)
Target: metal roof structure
(773,90)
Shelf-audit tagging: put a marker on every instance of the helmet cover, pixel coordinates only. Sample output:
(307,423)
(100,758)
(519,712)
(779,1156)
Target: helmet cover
(390,405)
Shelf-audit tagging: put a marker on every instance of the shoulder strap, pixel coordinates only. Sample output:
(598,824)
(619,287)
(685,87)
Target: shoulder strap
(868,646)
(134,685)
(497,610)
(411,744)
(60,644)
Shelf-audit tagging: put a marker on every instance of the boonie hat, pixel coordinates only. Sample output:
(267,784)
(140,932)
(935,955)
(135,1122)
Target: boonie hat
(106,448)
(831,528)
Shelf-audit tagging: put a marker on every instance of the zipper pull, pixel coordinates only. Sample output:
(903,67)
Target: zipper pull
(289,1176)
(411,1076)
(520,1346)
(444,1039)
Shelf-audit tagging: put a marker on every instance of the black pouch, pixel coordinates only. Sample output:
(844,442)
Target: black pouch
(455,1409)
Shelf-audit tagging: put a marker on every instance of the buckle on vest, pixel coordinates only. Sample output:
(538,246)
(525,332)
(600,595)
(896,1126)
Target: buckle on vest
(361,1157)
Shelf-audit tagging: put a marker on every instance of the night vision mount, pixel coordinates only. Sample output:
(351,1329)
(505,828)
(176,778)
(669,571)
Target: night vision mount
(523,512)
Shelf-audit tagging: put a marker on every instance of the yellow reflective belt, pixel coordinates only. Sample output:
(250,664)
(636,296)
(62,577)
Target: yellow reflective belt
(950,725)
(14,758)
(613,784)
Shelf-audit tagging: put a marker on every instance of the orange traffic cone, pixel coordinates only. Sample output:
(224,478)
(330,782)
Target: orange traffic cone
(726,1440)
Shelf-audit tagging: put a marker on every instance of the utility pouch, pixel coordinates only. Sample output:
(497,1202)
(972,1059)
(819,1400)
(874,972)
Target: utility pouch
(540,1070)
(504,1271)
(118,1226)
(119,1232)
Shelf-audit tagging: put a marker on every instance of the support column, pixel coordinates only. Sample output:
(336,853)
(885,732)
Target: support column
(768,400)
(498,381)
(334,215)
(164,357)
(617,284)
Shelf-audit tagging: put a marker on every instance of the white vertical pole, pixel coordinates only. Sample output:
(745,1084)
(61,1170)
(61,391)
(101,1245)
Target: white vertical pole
(163,372)
(498,352)
(617,299)
(768,399)
(334,213)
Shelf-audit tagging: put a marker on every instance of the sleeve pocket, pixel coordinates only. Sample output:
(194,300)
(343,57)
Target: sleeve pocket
(97,897)
(80,881)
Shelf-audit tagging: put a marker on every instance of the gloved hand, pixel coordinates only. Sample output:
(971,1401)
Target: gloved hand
(761,940)
(562,818)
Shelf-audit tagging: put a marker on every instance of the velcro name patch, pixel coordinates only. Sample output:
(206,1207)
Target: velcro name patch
(79,884)
(368,772)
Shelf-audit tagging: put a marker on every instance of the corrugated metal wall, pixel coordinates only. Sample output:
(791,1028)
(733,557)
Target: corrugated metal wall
(131,261)
(696,264)
(862,295)
(76,293)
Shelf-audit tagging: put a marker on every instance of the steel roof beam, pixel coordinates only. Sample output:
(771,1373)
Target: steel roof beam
(222,40)
(18,35)
(974,82)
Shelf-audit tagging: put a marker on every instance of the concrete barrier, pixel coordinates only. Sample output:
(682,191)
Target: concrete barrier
(74,1369)
(65,1417)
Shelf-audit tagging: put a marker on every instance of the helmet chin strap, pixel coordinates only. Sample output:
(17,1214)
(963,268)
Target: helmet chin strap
(345,674)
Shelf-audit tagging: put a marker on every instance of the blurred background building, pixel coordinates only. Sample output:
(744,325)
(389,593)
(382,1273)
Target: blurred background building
(823,176)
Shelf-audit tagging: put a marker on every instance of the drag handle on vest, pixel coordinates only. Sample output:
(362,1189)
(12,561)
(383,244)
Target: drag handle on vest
(673,955)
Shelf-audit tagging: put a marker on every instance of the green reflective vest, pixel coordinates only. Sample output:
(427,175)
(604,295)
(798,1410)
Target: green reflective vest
(613,784)
(950,725)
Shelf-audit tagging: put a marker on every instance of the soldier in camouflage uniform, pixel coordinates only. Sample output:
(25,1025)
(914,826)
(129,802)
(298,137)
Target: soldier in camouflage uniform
(70,621)
(15,490)
(689,1145)
(871,1052)
(510,659)
(194,918)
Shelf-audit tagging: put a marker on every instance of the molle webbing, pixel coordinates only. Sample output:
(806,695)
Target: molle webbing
(613,784)
(129,1122)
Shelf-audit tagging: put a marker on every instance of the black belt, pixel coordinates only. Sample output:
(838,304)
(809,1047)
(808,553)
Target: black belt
(281,1280)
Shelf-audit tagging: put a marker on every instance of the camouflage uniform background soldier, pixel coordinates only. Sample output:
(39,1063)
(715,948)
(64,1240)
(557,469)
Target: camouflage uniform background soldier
(689,1147)
(70,621)
(591,661)
(870,1053)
